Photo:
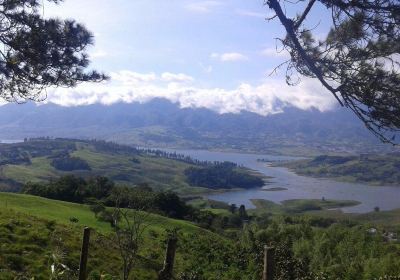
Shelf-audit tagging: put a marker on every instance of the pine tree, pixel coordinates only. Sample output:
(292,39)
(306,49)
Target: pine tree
(358,61)
(38,52)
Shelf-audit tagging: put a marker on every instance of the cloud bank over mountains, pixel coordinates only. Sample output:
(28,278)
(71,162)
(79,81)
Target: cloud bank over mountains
(269,97)
(225,50)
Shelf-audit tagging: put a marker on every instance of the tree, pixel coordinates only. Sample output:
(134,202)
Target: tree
(357,61)
(232,208)
(37,53)
(129,226)
(99,187)
(242,212)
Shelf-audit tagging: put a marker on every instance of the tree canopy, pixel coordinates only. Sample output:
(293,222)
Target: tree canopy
(358,60)
(38,52)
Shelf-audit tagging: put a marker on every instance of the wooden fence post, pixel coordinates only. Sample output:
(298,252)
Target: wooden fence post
(166,272)
(269,263)
(84,254)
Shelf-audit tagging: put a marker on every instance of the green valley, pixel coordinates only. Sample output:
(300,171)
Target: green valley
(66,185)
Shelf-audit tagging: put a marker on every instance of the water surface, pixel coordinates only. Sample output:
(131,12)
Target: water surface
(8,141)
(299,187)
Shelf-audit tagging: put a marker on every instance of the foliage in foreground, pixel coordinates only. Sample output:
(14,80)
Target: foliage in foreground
(41,52)
(307,247)
(355,60)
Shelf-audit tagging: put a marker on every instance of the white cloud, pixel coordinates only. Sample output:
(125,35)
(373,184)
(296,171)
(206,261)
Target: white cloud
(229,57)
(171,77)
(270,97)
(132,78)
(129,78)
(203,6)
(274,52)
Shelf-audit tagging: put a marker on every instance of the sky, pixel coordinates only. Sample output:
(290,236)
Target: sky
(212,54)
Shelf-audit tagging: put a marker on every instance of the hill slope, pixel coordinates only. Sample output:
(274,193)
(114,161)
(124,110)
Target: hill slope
(372,169)
(33,229)
(41,160)
(34,161)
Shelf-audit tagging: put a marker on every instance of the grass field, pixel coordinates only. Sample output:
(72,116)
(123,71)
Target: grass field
(39,170)
(34,228)
(61,212)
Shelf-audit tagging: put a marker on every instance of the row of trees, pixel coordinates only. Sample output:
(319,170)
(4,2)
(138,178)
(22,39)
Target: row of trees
(182,158)
(102,191)
(71,188)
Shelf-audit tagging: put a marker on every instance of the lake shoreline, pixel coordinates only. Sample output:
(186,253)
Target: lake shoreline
(297,186)
(338,178)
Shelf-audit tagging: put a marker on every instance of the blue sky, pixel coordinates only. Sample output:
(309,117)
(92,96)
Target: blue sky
(214,54)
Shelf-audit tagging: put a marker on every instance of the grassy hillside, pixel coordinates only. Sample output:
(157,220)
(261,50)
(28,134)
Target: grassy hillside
(32,161)
(61,212)
(372,169)
(32,229)
(41,160)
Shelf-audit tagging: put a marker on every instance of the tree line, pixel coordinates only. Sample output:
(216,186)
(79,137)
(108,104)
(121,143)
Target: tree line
(100,192)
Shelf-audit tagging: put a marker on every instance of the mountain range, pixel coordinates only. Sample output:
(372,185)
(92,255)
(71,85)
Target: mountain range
(161,123)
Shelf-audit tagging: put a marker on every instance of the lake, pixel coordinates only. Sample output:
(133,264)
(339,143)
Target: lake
(6,141)
(298,187)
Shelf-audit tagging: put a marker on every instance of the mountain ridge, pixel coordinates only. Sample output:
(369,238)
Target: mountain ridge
(161,123)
